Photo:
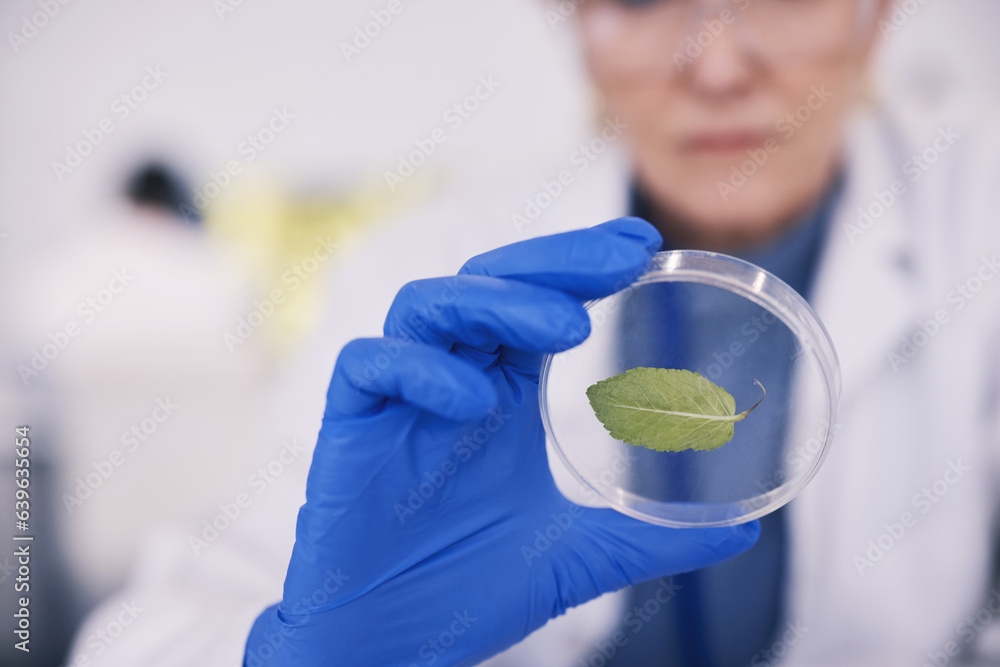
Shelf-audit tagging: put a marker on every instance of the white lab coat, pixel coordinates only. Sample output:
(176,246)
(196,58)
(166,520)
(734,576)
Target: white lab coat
(902,430)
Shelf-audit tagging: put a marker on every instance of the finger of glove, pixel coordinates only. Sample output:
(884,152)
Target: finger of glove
(486,313)
(370,371)
(637,551)
(585,263)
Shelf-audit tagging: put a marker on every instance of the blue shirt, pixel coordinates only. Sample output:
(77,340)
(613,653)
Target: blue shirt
(722,616)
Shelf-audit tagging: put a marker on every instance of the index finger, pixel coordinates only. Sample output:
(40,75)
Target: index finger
(585,263)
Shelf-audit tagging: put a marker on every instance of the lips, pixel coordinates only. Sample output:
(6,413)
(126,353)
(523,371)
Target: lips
(723,142)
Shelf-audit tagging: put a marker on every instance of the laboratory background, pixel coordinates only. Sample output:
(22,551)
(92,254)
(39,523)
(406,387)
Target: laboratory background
(179,183)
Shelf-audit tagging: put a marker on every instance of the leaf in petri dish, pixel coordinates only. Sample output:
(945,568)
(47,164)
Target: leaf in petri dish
(666,409)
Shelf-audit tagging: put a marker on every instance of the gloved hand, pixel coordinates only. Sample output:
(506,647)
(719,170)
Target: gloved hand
(417,543)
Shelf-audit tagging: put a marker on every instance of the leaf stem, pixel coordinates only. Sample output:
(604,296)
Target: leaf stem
(743,415)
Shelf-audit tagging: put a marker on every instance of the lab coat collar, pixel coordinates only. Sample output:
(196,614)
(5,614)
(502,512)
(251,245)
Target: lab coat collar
(866,288)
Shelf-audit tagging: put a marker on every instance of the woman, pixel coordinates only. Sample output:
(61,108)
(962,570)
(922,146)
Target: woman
(741,133)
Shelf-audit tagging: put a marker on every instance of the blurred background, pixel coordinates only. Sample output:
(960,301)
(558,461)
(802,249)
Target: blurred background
(164,167)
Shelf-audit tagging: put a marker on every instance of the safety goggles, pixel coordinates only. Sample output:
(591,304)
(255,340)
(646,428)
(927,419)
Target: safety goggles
(655,37)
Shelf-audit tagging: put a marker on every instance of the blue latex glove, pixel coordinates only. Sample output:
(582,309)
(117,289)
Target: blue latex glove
(419,542)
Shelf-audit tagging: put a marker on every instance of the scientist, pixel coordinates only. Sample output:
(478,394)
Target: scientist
(736,115)
(749,130)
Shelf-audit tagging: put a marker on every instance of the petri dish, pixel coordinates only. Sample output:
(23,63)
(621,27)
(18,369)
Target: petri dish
(733,323)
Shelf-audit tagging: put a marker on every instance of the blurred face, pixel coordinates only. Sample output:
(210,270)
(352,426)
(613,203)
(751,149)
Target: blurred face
(734,108)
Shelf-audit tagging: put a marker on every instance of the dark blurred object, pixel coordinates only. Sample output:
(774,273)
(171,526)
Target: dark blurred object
(156,186)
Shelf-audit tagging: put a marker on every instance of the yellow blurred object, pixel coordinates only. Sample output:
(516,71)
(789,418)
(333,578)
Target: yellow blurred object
(289,242)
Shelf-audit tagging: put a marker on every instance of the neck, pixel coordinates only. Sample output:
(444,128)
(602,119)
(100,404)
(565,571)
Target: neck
(687,233)
(734,235)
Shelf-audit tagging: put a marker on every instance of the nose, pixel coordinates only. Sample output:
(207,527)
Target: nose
(719,63)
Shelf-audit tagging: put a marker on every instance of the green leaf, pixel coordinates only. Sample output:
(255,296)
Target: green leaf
(666,409)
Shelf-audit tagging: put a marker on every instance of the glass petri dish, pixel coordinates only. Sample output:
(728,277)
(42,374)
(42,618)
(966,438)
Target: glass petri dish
(733,323)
